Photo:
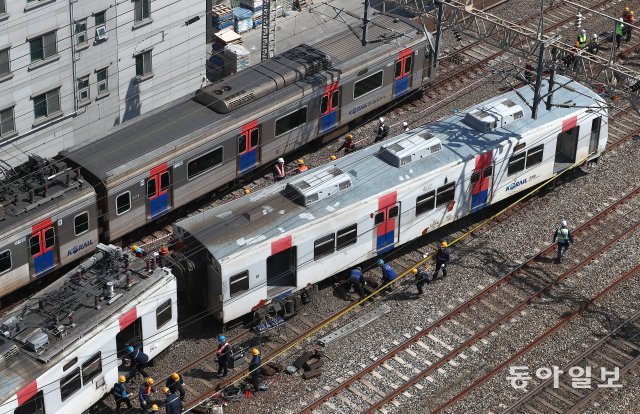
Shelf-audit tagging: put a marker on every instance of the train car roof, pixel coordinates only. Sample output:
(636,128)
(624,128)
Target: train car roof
(131,144)
(229,229)
(32,341)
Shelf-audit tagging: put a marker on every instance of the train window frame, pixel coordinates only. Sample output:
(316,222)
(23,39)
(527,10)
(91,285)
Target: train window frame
(324,246)
(397,72)
(34,405)
(251,144)
(302,110)
(537,153)
(161,313)
(422,200)
(324,104)
(46,239)
(335,99)
(31,246)
(513,166)
(242,144)
(75,224)
(70,364)
(152,187)
(68,385)
(355,85)
(444,191)
(4,269)
(128,194)
(163,174)
(345,238)
(393,212)
(242,277)
(408,64)
(87,372)
(191,177)
(475,177)
(376,221)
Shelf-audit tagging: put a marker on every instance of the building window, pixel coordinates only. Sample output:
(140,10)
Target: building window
(101,26)
(5,261)
(103,81)
(516,163)
(83,89)
(291,121)
(7,123)
(368,84)
(425,202)
(5,67)
(324,246)
(81,32)
(142,10)
(34,405)
(91,368)
(238,283)
(204,163)
(70,384)
(347,236)
(3,7)
(163,314)
(143,63)
(123,203)
(46,104)
(43,47)
(445,194)
(81,223)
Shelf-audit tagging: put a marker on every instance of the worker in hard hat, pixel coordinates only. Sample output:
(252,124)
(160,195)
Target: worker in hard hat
(172,403)
(383,130)
(593,47)
(529,72)
(301,166)
(144,395)
(564,238)
(405,126)
(222,354)
(388,273)
(442,259)
(139,361)
(357,281)
(422,277)
(628,19)
(348,145)
(582,39)
(619,31)
(254,370)
(120,394)
(155,409)
(176,383)
(279,172)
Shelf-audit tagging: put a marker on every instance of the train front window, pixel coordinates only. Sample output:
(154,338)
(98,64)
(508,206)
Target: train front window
(407,64)
(398,72)
(324,104)
(335,100)
(34,243)
(242,143)
(151,188)
(49,238)
(255,137)
(165,181)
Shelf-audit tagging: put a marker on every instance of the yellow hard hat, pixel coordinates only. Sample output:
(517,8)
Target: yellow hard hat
(301,161)
(443,244)
(631,12)
(150,381)
(134,247)
(332,158)
(255,351)
(414,271)
(349,137)
(122,378)
(175,376)
(626,9)
(165,390)
(155,407)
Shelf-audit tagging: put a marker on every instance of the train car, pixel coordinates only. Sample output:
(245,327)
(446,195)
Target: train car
(252,252)
(48,219)
(61,351)
(184,150)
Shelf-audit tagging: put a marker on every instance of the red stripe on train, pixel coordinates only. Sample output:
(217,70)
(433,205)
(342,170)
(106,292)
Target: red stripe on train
(128,318)
(27,392)
(281,245)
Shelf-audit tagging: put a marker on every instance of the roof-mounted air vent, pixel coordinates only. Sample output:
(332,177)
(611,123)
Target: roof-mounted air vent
(495,115)
(317,185)
(411,148)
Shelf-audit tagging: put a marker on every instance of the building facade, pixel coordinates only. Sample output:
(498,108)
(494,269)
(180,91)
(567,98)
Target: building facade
(72,69)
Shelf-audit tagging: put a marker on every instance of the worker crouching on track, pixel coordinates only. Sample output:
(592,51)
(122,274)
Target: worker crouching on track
(357,281)
(442,259)
(155,409)
(301,166)
(144,395)
(176,383)
(388,273)
(348,145)
(120,394)
(172,403)
(422,277)
(563,235)
(222,354)
(382,131)
(279,172)
(254,369)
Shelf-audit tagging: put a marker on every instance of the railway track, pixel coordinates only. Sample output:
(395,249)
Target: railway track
(473,323)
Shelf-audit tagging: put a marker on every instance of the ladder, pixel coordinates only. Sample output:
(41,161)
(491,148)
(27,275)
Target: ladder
(268,29)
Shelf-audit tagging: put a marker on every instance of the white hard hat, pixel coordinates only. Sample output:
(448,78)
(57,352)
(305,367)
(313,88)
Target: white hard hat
(595,36)
(281,160)
(381,119)
(564,223)
(404,124)
(620,20)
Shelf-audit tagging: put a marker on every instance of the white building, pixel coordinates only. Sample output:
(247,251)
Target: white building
(72,69)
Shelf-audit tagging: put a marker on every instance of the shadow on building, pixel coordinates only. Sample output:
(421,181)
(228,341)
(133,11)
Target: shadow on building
(132,101)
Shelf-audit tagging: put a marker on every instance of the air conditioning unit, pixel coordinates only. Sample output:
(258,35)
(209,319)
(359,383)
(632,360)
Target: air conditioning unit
(101,33)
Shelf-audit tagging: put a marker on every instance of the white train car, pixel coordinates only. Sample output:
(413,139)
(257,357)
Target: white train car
(61,351)
(270,244)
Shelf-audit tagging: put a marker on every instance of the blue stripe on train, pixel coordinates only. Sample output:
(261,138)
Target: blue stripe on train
(385,242)
(402,85)
(329,121)
(44,262)
(248,161)
(479,201)
(159,205)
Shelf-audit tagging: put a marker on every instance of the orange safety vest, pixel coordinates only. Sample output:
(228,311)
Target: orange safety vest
(302,168)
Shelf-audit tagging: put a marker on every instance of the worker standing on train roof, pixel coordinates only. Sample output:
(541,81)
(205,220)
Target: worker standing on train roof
(529,72)
(388,273)
(564,237)
(120,394)
(254,369)
(592,46)
(144,395)
(629,20)
(139,361)
(176,383)
(222,354)
(582,39)
(301,166)
(422,277)
(357,281)
(279,172)
(383,130)
(348,145)
(442,258)
(619,32)
(172,403)
(405,127)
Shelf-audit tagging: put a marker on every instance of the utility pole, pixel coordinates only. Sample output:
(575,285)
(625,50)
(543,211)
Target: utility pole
(268,40)
(365,23)
(536,91)
(436,59)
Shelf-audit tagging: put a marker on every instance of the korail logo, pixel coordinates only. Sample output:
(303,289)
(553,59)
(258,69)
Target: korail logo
(513,186)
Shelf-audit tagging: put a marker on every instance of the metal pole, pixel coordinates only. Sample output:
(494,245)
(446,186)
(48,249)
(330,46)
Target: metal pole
(536,91)
(554,56)
(436,59)
(365,21)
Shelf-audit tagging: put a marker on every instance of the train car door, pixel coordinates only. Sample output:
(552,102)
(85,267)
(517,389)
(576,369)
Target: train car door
(281,266)
(248,147)
(402,75)
(387,223)
(42,245)
(481,181)
(567,144)
(329,108)
(159,190)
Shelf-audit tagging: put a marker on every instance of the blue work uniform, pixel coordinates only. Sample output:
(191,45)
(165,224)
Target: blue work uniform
(254,368)
(121,396)
(388,273)
(144,396)
(442,258)
(357,280)
(172,404)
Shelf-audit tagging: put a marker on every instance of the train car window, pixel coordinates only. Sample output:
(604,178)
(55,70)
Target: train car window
(163,313)
(151,187)
(204,163)
(5,261)
(81,223)
(324,246)
(475,177)
(70,364)
(34,405)
(70,384)
(393,212)
(291,121)
(488,172)
(239,283)
(379,218)
(445,194)
(425,202)
(398,71)
(165,181)
(123,203)
(408,63)
(347,236)
(324,104)
(255,137)
(516,164)
(368,84)
(49,238)
(91,368)
(519,146)
(335,100)
(34,243)
(242,143)
(534,156)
